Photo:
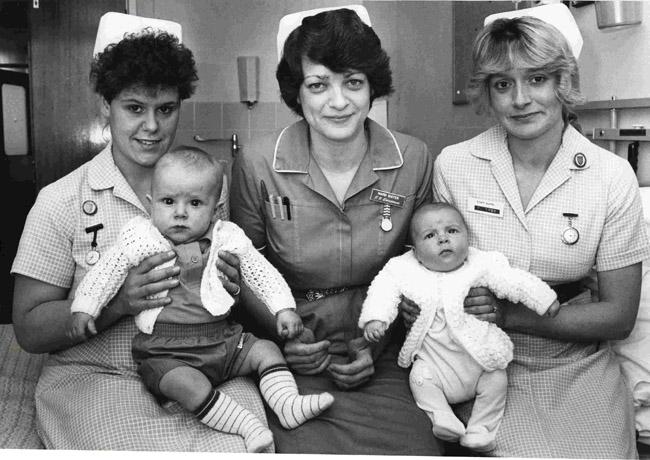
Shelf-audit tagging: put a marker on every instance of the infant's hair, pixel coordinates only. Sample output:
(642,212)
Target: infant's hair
(437,206)
(194,158)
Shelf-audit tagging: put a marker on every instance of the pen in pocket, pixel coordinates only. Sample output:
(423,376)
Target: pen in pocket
(285,202)
(278,199)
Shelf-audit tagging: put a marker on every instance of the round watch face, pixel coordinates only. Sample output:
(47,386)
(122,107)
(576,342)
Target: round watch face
(92,257)
(570,236)
(386,225)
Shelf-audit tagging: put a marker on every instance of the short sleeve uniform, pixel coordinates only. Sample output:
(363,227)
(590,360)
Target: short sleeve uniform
(333,246)
(596,193)
(90,396)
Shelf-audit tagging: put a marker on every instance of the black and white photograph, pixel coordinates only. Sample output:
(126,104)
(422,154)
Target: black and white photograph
(325,227)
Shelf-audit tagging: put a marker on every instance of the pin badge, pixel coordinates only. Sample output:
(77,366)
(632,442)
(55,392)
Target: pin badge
(570,234)
(580,160)
(386,223)
(89,207)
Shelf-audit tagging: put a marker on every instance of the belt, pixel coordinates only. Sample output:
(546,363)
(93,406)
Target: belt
(567,291)
(320,293)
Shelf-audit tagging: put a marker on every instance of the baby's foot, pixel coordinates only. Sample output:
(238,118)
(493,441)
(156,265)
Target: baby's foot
(478,438)
(446,426)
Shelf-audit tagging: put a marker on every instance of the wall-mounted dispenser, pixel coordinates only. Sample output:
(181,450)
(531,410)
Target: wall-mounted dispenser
(618,13)
(248,69)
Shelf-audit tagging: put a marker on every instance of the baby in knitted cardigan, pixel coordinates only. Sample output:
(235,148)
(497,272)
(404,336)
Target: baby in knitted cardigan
(455,356)
(187,348)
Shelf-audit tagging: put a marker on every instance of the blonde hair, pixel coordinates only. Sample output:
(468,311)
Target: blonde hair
(523,42)
(194,159)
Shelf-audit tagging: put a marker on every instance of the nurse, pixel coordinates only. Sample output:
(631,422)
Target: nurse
(328,199)
(569,212)
(89,395)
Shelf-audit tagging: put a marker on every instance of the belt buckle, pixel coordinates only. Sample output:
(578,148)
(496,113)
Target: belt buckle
(314,294)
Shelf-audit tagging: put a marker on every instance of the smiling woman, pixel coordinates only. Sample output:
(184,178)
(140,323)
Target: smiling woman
(89,395)
(329,200)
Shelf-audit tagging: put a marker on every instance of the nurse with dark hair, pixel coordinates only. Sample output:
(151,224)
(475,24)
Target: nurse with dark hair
(89,395)
(328,200)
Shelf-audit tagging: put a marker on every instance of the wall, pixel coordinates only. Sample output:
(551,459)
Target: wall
(418,37)
(614,62)
(220,30)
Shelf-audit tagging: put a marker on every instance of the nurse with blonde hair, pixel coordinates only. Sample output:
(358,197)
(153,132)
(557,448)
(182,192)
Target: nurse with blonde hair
(568,211)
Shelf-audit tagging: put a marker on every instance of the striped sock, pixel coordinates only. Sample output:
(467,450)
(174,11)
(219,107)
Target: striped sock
(279,390)
(222,413)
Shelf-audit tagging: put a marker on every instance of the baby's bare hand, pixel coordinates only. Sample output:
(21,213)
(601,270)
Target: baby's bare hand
(289,324)
(82,326)
(553,309)
(374,331)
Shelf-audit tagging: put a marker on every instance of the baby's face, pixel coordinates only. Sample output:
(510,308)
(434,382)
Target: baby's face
(440,239)
(183,203)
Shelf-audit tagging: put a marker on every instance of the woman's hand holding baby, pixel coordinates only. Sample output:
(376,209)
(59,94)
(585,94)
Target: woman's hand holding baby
(143,281)
(306,356)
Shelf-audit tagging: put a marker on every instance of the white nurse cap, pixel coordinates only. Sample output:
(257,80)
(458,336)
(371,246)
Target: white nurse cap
(556,14)
(114,26)
(292,21)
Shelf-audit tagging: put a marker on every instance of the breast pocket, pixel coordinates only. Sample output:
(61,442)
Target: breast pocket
(282,234)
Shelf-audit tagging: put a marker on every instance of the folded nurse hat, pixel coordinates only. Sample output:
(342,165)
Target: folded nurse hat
(556,14)
(292,21)
(114,26)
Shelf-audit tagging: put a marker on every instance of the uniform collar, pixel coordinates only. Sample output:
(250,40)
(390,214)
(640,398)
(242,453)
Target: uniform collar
(493,145)
(102,171)
(103,174)
(291,154)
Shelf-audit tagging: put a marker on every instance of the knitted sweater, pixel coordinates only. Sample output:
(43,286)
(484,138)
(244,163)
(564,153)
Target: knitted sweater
(139,239)
(484,341)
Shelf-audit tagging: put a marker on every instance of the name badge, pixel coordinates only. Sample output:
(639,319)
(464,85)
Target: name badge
(392,199)
(491,208)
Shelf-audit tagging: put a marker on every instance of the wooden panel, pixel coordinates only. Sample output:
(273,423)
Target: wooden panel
(66,125)
(467,22)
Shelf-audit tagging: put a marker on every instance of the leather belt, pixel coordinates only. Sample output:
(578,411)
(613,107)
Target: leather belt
(567,291)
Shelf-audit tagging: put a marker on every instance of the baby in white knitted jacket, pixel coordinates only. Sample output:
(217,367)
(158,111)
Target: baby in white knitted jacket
(190,346)
(455,356)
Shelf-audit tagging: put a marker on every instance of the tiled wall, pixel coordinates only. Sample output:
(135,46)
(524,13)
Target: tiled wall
(220,120)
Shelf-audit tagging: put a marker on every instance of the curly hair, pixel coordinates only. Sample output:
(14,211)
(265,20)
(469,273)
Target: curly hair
(523,42)
(339,40)
(150,59)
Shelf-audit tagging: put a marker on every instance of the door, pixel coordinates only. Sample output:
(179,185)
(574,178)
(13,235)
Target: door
(64,128)
(67,128)
(17,173)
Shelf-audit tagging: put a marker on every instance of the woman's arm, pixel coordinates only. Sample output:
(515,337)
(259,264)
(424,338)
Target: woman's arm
(41,311)
(612,318)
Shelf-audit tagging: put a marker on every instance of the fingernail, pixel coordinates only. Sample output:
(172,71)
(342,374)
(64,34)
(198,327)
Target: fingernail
(171,253)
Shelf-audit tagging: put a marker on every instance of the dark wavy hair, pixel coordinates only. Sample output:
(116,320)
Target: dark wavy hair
(339,40)
(150,59)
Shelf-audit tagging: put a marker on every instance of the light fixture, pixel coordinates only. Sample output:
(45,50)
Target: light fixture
(248,69)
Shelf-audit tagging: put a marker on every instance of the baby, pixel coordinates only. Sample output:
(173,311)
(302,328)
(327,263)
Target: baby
(190,346)
(455,356)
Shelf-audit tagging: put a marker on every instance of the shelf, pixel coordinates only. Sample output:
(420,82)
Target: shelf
(619,134)
(639,103)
